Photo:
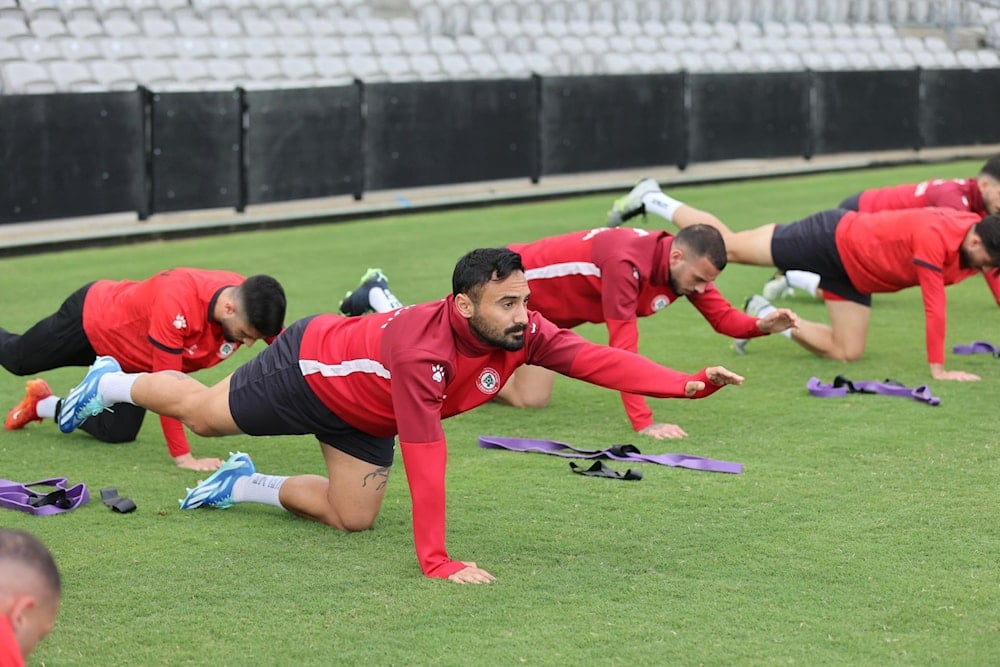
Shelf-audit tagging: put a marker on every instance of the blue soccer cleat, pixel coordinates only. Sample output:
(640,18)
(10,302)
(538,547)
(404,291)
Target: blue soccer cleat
(84,400)
(217,490)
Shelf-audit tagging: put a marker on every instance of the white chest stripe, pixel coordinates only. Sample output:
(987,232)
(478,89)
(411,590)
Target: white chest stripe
(564,269)
(310,366)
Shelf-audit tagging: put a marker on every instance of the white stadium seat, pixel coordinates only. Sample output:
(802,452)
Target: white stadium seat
(26,77)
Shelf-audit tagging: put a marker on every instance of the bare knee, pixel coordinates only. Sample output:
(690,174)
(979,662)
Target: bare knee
(349,523)
(838,354)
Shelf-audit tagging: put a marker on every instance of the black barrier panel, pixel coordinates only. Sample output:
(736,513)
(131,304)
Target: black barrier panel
(70,154)
(430,133)
(612,122)
(197,152)
(958,107)
(866,111)
(749,115)
(303,143)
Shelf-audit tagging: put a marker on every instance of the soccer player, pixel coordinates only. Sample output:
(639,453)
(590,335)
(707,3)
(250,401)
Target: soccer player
(30,590)
(180,319)
(856,254)
(980,195)
(612,276)
(356,382)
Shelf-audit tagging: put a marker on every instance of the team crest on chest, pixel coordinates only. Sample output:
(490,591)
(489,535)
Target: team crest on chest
(660,301)
(488,381)
(226,349)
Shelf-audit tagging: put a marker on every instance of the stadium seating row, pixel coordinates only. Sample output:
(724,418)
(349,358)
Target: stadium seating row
(176,44)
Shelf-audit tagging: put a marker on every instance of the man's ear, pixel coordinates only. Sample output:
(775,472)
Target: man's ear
(464,305)
(23,604)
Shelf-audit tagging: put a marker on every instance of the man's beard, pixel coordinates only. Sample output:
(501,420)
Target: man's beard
(495,337)
(963,258)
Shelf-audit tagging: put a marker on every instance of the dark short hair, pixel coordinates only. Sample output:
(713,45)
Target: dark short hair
(26,549)
(988,230)
(264,303)
(481,266)
(704,241)
(991,168)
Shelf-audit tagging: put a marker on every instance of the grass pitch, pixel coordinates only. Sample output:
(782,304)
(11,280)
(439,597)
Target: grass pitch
(863,530)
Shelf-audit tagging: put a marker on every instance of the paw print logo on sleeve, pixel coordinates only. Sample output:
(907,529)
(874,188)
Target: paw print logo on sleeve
(437,372)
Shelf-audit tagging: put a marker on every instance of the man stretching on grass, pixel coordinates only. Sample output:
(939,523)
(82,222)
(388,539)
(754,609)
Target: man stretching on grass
(357,382)
(980,195)
(856,255)
(614,276)
(179,319)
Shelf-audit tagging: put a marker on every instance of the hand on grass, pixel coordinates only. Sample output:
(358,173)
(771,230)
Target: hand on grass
(661,431)
(191,463)
(471,574)
(939,373)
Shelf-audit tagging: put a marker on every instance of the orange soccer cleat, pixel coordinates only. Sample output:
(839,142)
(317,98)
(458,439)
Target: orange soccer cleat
(26,411)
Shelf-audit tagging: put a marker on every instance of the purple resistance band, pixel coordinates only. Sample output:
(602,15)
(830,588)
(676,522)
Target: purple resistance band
(629,453)
(56,499)
(978,347)
(842,387)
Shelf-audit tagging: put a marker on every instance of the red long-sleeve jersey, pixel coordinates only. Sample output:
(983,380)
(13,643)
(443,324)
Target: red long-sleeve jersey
(891,250)
(159,324)
(961,194)
(615,275)
(403,372)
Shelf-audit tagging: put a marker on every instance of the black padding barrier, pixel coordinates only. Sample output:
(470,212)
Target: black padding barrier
(612,122)
(304,143)
(431,133)
(739,116)
(866,111)
(70,154)
(196,150)
(958,106)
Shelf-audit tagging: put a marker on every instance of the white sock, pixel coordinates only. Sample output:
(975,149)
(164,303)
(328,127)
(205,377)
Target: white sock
(258,488)
(46,408)
(661,204)
(803,280)
(765,311)
(382,300)
(116,387)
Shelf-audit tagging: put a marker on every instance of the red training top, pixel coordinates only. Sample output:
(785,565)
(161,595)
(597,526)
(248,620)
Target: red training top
(10,651)
(615,275)
(160,324)
(961,194)
(892,250)
(439,368)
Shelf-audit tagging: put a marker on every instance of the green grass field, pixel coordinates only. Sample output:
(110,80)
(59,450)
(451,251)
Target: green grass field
(863,530)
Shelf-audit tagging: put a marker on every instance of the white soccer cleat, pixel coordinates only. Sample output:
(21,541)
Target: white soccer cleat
(777,288)
(625,208)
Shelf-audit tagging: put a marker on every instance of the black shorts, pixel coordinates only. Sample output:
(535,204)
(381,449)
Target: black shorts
(810,245)
(852,203)
(269,396)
